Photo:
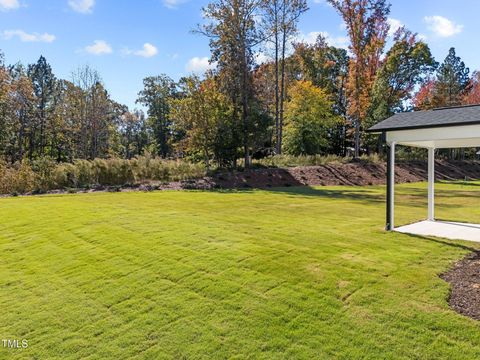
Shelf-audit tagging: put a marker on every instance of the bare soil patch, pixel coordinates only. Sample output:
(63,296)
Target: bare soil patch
(464,279)
(354,173)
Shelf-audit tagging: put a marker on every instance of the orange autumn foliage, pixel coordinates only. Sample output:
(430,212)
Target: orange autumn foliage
(367,28)
(473,97)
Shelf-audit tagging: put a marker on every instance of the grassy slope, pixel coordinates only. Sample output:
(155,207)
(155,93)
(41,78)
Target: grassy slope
(289,273)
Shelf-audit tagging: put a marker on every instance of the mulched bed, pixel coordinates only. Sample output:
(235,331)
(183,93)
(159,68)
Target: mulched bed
(465,281)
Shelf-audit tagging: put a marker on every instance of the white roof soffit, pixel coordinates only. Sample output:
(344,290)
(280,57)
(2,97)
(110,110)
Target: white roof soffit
(437,137)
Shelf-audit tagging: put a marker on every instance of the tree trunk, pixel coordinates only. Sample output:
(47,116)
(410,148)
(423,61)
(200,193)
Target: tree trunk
(278,142)
(245,90)
(31,143)
(207,159)
(357,138)
(282,89)
(20,143)
(246,148)
(42,128)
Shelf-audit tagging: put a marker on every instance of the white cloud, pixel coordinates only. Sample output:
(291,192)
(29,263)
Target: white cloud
(395,24)
(172,4)
(26,37)
(442,26)
(199,65)
(82,6)
(148,50)
(99,47)
(6,5)
(337,41)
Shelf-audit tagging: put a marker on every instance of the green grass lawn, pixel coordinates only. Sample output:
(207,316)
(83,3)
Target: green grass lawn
(291,273)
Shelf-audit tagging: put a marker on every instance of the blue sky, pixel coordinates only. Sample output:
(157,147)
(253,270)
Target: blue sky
(127,40)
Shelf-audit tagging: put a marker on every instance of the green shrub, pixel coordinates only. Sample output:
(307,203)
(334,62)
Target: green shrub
(65,176)
(44,169)
(284,161)
(302,160)
(44,174)
(113,172)
(18,178)
(147,168)
(85,176)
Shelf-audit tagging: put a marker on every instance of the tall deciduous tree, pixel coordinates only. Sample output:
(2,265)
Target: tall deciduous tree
(233,35)
(407,64)
(96,113)
(5,92)
(134,135)
(200,112)
(280,22)
(326,67)
(63,121)
(473,96)
(22,115)
(423,99)
(156,95)
(309,120)
(367,27)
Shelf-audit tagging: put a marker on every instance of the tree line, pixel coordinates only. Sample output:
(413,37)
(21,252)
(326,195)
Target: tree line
(300,99)
(42,116)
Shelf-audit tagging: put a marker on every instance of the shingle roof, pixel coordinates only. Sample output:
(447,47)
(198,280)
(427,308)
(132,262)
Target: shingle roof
(453,116)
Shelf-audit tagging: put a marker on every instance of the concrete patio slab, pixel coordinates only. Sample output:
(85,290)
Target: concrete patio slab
(443,229)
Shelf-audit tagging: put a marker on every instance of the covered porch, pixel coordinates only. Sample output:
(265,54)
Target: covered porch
(445,128)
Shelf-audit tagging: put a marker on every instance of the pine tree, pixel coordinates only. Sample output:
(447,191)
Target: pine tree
(156,94)
(453,81)
(43,82)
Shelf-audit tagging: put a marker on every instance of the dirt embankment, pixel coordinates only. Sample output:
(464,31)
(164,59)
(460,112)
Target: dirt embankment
(354,173)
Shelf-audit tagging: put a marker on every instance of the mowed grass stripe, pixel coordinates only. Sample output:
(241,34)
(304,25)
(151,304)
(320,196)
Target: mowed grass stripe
(297,272)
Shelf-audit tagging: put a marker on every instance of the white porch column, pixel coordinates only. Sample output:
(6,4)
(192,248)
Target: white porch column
(431,184)
(392,186)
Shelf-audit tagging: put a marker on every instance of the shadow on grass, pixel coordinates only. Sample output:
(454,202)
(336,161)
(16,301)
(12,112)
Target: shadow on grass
(462,184)
(450,243)
(308,191)
(416,197)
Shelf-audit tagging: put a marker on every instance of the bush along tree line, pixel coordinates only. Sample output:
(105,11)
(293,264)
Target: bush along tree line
(268,93)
